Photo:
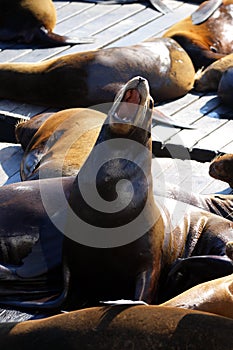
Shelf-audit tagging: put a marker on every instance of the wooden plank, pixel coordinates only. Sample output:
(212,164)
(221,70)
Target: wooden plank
(153,29)
(109,19)
(190,138)
(71,9)
(80,19)
(217,139)
(117,31)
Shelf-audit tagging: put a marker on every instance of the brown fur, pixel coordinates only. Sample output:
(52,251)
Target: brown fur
(121,328)
(209,78)
(93,77)
(208,41)
(221,168)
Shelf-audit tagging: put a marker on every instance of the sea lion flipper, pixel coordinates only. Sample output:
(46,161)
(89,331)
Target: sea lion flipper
(159,118)
(56,39)
(160,6)
(205,10)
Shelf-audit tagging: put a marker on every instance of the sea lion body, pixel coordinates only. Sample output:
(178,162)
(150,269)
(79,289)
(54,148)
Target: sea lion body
(221,168)
(122,327)
(26,21)
(61,143)
(215,296)
(209,40)
(209,78)
(89,78)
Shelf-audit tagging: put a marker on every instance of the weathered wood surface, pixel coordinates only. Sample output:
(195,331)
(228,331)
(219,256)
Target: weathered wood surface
(120,25)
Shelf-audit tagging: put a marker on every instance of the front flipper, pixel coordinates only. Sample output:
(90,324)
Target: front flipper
(186,273)
(205,10)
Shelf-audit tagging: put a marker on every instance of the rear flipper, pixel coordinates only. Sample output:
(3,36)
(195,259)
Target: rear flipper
(59,40)
(34,293)
(186,273)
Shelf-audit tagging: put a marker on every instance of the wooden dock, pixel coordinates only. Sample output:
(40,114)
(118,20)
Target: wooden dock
(182,156)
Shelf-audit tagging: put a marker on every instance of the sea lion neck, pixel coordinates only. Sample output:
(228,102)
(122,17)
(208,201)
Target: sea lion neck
(118,169)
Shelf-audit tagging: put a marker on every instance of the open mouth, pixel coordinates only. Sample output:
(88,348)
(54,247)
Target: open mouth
(128,107)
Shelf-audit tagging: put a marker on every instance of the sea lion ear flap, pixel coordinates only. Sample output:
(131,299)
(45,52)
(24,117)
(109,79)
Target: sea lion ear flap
(205,10)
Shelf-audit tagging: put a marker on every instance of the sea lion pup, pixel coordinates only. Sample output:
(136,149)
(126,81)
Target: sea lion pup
(215,296)
(209,78)
(221,168)
(209,39)
(27,21)
(121,327)
(89,78)
(61,144)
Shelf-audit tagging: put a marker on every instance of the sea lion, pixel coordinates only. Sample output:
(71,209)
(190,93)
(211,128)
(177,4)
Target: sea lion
(93,77)
(221,168)
(121,327)
(27,21)
(61,143)
(225,87)
(97,267)
(209,40)
(215,296)
(50,141)
(209,78)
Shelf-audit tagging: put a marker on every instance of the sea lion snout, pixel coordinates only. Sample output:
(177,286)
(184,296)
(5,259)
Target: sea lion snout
(130,106)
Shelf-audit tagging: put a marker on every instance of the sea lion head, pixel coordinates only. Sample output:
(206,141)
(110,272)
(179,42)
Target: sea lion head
(221,168)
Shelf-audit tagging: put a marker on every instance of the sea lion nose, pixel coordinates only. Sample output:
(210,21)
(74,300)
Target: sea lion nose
(141,80)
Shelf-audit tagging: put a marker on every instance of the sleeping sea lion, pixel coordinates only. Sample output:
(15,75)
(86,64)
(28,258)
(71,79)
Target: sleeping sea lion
(26,21)
(136,238)
(209,39)
(47,140)
(122,327)
(61,143)
(215,296)
(209,78)
(89,78)
(221,168)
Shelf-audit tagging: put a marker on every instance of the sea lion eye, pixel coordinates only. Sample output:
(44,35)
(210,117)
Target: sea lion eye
(213,49)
